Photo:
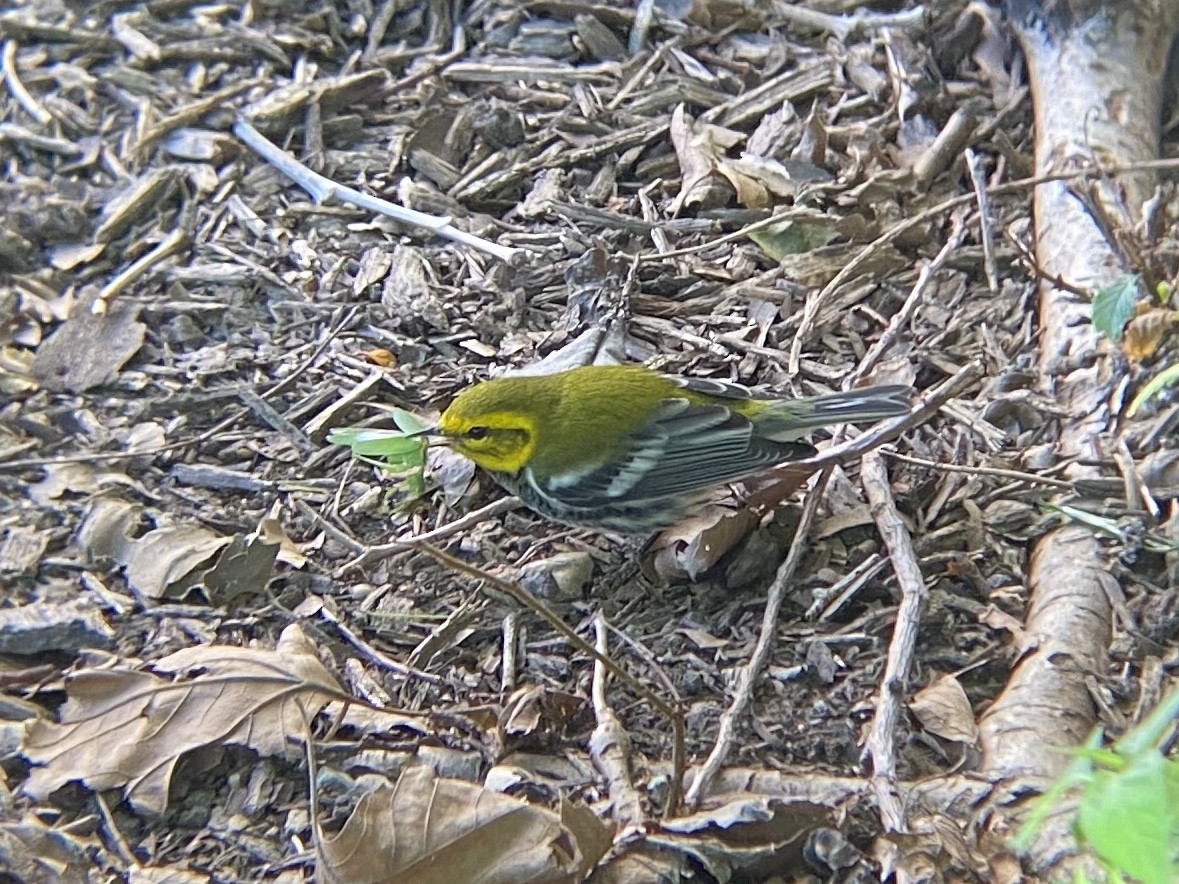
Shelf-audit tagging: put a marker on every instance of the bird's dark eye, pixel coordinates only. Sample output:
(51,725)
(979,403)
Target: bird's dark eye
(477,433)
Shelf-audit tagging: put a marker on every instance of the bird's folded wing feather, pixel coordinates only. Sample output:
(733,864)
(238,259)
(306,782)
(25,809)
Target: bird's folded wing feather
(684,448)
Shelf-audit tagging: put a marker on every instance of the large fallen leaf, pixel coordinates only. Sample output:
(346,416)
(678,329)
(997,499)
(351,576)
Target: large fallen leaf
(430,830)
(127,728)
(171,561)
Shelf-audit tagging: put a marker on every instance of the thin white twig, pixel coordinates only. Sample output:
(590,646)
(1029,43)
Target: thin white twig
(322,189)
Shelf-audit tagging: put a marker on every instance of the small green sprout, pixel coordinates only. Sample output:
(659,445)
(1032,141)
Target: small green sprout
(401,452)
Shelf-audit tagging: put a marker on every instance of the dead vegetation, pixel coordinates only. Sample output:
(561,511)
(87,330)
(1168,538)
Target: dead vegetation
(226,655)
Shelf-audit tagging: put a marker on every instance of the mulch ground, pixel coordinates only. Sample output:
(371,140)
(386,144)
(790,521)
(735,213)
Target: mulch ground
(183,327)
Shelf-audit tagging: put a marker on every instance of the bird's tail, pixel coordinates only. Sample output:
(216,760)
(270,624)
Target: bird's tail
(791,418)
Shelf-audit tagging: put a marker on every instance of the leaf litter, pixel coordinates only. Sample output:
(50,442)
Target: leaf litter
(747,160)
(126,728)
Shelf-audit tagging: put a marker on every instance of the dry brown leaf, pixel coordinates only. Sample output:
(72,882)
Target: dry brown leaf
(69,256)
(531,708)
(944,710)
(374,266)
(698,542)
(698,148)
(271,531)
(378,356)
(770,174)
(244,566)
(127,728)
(750,833)
(703,639)
(33,853)
(1146,331)
(60,478)
(751,192)
(162,562)
(16,371)
(431,830)
(559,773)
(88,349)
(104,533)
(21,548)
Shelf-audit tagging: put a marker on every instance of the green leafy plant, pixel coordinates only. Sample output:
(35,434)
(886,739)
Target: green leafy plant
(1114,305)
(1128,813)
(401,452)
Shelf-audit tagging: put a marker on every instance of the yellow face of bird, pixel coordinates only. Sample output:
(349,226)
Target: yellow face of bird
(497,440)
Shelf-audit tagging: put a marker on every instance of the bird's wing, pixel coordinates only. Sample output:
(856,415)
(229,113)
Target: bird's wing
(684,448)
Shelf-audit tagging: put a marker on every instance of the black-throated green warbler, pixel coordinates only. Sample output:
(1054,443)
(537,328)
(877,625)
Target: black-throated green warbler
(624,448)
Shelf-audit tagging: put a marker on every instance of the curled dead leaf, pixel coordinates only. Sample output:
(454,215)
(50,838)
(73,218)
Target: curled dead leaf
(944,710)
(1146,331)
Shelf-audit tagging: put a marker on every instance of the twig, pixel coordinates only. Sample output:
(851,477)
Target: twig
(167,247)
(851,268)
(17,89)
(377,553)
(978,180)
(890,334)
(950,142)
(100,457)
(908,224)
(320,346)
(880,749)
(1015,475)
(522,597)
(118,842)
(644,653)
(646,68)
(511,651)
(609,744)
(372,654)
(830,600)
(322,189)
(269,415)
(1136,488)
(743,693)
(845,26)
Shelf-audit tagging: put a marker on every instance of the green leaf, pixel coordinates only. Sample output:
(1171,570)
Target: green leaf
(408,423)
(376,443)
(1126,819)
(1078,772)
(344,435)
(401,454)
(1113,306)
(791,238)
(1159,382)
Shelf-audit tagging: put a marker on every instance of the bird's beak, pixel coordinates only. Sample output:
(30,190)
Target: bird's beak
(433,436)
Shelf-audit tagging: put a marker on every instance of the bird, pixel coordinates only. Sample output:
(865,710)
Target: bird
(627,449)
